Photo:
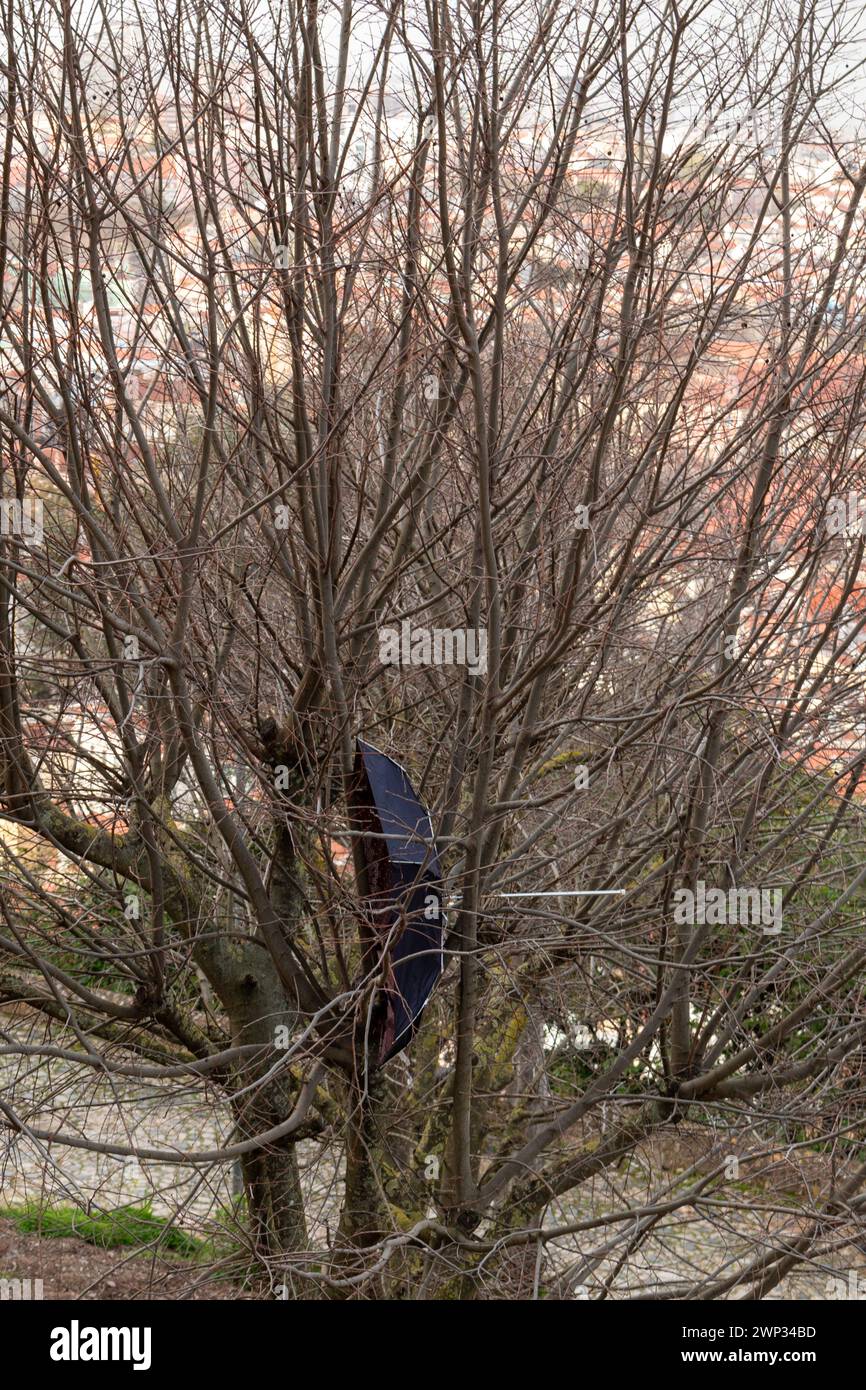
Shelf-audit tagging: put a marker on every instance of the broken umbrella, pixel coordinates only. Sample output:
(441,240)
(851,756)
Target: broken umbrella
(402,893)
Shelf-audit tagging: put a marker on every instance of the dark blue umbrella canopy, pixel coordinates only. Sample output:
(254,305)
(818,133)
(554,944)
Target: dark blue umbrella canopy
(404,898)
(404,820)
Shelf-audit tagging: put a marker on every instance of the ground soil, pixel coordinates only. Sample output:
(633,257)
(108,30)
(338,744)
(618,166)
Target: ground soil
(72,1269)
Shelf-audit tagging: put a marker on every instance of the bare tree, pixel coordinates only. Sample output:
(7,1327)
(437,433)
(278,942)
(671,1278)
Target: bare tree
(534,327)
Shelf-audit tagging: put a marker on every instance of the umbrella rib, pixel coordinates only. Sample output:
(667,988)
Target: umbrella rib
(566,893)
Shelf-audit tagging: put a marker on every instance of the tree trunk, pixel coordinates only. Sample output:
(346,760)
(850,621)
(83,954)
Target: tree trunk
(271,1177)
(272,1184)
(364,1217)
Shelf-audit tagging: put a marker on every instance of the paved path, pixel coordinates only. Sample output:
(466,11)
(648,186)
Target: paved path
(55,1095)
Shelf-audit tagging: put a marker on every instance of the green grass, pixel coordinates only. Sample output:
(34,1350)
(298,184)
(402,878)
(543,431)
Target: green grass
(125,1226)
